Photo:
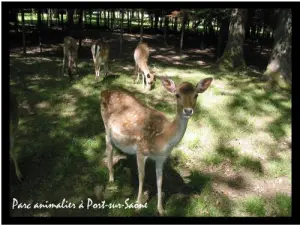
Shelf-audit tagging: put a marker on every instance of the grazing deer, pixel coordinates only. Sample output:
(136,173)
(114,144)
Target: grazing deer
(141,55)
(70,55)
(100,52)
(13,127)
(137,129)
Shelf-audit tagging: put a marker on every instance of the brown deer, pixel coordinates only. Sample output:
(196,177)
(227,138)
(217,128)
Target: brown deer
(13,127)
(137,129)
(141,55)
(70,49)
(100,52)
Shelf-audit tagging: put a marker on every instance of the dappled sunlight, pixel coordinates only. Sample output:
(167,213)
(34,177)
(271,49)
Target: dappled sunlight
(238,139)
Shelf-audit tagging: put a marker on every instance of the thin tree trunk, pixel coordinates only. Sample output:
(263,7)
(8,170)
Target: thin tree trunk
(142,25)
(39,24)
(128,19)
(23,32)
(91,15)
(182,30)
(121,33)
(113,19)
(98,18)
(81,25)
(131,17)
(166,28)
(49,17)
(31,16)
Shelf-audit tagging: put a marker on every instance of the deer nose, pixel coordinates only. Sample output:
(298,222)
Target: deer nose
(188,111)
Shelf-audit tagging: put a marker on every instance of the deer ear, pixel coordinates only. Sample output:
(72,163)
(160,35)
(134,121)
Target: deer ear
(168,84)
(203,84)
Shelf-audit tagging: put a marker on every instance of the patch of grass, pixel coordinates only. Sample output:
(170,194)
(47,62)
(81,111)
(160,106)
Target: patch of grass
(277,205)
(255,206)
(281,205)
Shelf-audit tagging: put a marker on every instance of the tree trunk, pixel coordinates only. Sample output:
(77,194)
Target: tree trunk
(175,24)
(70,19)
(83,18)
(39,25)
(113,19)
(223,37)
(23,32)
(91,15)
(31,17)
(131,17)
(142,25)
(182,30)
(166,28)
(128,19)
(233,56)
(98,18)
(81,25)
(49,18)
(279,70)
(62,20)
(121,33)
(156,21)
(151,21)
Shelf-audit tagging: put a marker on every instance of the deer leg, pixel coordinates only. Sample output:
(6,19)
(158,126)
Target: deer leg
(141,159)
(105,68)
(109,152)
(159,178)
(135,74)
(14,158)
(63,66)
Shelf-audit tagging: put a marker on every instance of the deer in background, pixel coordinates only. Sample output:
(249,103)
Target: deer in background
(141,55)
(70,49)
(13,127)
(100,52)
(137,129)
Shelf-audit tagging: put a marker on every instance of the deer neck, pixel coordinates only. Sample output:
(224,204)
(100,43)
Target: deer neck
(175,131)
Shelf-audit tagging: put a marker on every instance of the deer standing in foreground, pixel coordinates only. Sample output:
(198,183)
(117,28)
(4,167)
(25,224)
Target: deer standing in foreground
(141,55)
(70,49)
(13,127)
(137,129)
(100,52)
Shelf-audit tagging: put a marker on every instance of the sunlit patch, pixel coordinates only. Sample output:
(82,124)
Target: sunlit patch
(201,63)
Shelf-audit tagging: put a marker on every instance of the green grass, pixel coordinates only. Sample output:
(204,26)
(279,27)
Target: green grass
(238,126)
(279,205)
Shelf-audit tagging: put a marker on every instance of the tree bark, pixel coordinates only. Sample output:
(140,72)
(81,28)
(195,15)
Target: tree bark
(233,56)
(98,18)
(121,33)
(166,28)
(279,70)
(81,25)
(182,30)
(142,25)
(39,25)
(23,32)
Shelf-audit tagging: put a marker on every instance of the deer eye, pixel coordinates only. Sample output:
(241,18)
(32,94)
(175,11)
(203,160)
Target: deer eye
(196,95)
(177,96)
(148,75)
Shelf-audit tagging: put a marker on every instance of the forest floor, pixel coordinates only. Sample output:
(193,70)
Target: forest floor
(234,160)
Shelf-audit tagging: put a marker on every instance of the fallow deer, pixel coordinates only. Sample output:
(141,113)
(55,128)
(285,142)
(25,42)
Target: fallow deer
(141,55)
(70,49)
(100,52)
(13,127)
(137,129)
